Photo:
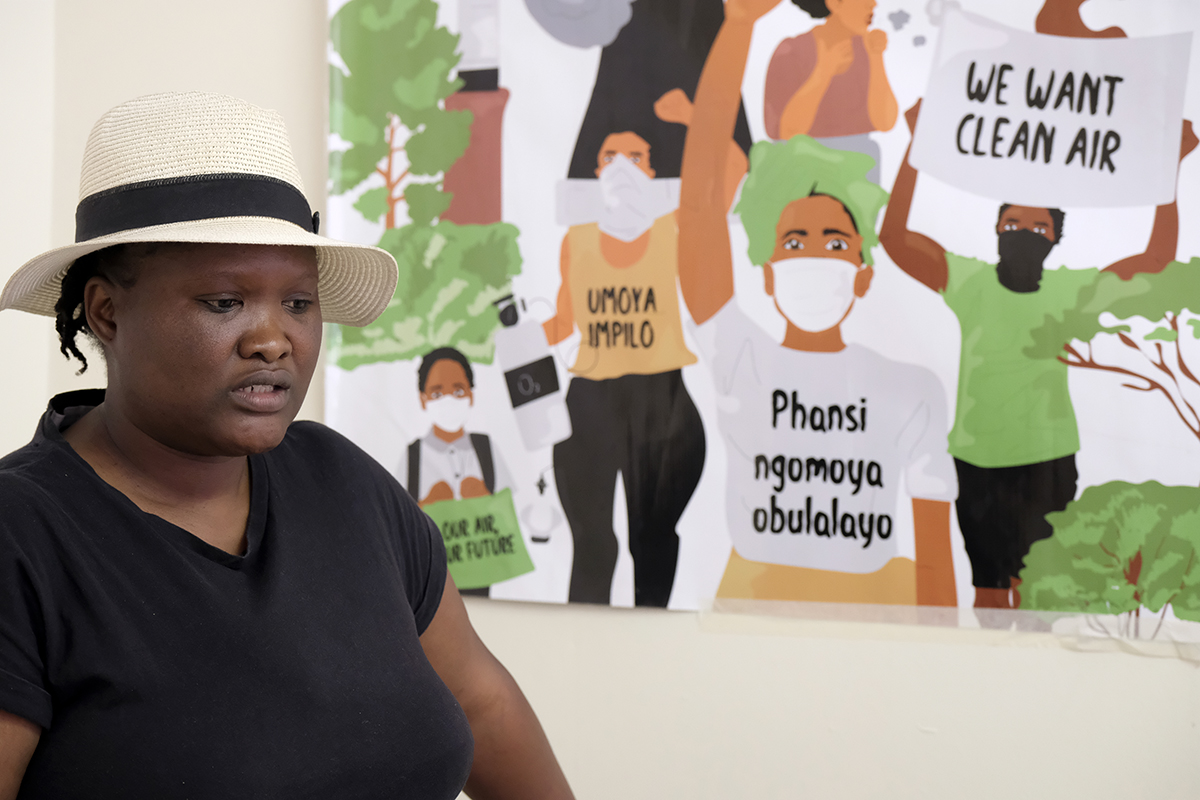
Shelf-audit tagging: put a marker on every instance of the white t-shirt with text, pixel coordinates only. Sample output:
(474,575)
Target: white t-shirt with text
(817,443)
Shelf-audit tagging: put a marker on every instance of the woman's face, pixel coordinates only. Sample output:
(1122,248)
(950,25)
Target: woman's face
(854,14)
(817,226)
(211,350)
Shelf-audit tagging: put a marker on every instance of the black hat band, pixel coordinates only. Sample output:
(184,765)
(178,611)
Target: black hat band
(187,199)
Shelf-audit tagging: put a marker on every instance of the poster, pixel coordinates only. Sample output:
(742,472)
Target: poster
(672,277)
(1047,122)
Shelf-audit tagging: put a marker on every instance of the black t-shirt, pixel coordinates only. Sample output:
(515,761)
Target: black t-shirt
(160,666)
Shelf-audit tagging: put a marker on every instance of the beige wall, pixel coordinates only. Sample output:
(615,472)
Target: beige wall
(639,704)
(26,169)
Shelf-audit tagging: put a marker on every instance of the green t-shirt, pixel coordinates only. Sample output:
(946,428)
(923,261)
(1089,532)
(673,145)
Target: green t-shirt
(1012,409)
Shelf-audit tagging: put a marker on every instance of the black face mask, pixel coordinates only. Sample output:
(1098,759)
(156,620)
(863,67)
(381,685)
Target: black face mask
(1022,254)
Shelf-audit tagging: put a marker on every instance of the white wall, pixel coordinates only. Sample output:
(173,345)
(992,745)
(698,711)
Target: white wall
(639,704)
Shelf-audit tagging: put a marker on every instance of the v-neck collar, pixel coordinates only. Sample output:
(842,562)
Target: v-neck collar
(66,409)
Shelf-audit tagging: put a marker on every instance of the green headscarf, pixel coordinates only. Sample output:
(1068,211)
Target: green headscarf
(783,172)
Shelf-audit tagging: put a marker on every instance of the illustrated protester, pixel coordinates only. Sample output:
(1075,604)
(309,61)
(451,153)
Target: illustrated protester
(817,432)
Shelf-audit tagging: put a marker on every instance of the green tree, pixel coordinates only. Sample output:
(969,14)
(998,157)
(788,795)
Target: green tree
(388,105)
(1122,547)
(449,277)
(1117,549)
(1161,366)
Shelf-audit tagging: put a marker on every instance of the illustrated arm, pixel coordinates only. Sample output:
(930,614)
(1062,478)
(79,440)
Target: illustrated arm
(705,262)
(882,107)
(562,324)
(935,562)
(1061,18)
(674,106)
(1164,235)
(915,253)
(18,739)
(438,492)
(801,108)
(736,165)
(513,759)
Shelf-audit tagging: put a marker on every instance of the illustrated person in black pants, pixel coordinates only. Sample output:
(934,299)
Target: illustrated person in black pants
(630,411)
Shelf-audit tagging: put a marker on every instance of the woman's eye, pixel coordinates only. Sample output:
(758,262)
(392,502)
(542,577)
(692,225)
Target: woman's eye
(222,304)
(435,395)
(836,244)
(460,393)
(299,305)
(793,244)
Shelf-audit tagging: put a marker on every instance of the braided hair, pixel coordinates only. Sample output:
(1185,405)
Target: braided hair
(116,264)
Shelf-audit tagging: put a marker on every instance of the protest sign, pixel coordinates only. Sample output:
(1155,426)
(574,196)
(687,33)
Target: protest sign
(1053,121)
(483,541)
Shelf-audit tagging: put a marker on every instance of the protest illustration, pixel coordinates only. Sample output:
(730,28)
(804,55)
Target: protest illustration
(710,317)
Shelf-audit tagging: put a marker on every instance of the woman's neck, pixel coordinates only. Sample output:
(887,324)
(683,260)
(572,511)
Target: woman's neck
(827,341)
(209,496)
(621,254)
(834,30)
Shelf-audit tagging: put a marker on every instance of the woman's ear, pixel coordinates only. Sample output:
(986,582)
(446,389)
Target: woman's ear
(99,310)
(768,279)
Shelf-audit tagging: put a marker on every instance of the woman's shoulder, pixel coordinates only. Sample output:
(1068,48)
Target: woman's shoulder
(35,469)
(802,45)
(33,484)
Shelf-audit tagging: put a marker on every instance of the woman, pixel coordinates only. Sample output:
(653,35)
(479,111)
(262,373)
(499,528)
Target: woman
(198,598)
(830,83)
(809,218)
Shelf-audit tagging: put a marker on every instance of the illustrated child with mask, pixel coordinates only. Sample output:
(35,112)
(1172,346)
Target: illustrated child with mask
(818,432)
(448,463)
(1015,437)
(630,410)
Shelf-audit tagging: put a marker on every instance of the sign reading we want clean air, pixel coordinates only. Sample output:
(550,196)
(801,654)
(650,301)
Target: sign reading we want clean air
(1053,121)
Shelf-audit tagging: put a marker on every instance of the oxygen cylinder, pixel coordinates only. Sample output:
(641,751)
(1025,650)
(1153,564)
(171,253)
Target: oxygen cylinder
(537,397)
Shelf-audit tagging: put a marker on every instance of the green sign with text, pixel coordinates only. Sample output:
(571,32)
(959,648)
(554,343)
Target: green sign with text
(483,541)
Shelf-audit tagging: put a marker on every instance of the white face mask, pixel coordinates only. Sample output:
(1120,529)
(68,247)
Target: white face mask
(815,294)
(630,203)
(449,412)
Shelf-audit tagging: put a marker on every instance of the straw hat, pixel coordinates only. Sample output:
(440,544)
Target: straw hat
(196,167)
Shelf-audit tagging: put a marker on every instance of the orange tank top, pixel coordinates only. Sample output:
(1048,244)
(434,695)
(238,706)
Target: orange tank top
(628,317)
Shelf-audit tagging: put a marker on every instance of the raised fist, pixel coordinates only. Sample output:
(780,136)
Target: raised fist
(674,106)
(875,41)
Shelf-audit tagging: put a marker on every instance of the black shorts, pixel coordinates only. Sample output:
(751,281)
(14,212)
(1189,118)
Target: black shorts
(1002,512)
